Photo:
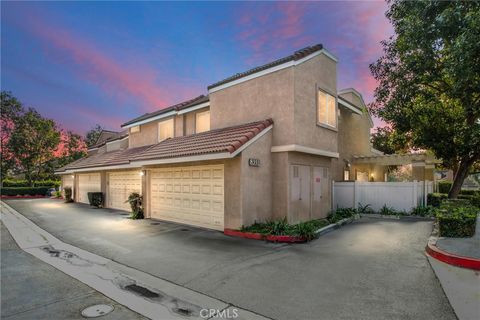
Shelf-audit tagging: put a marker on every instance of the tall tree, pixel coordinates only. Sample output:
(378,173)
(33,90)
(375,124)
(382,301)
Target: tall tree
(73,147)
(429,80)
(33,141)
(10,110)
(389,141)
(92,135)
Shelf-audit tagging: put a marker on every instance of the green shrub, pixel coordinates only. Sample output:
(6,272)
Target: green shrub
(68,194)
(364,209)
(455,220)
(95,199)
(388,211)
(57,194)
(24,183)
(475,201)
(470,192)
(444,186)
(136,203)
(341,213)
(435,199)
(281,227)
(30,191)
(423,211)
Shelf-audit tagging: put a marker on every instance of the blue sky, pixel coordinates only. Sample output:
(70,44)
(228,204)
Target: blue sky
(83,63)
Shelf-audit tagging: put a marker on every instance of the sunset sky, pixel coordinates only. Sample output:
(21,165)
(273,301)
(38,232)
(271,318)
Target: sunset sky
(108,62)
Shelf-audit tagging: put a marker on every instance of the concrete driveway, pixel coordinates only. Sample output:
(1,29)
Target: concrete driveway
(371,269)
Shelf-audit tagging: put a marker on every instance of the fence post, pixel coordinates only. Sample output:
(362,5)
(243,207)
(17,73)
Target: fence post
(355,194)
(415,193)
(334,205)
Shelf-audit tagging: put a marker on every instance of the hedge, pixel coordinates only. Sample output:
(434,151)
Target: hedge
(24,183)
(435,199)
(457,221)
(31,191)
(444,186)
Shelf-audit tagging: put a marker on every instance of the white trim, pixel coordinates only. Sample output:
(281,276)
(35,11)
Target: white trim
(359,95)
(160,116)
(118,140)
(348,105)
(285,65)
(304,149)
(91,149)
(140,163)
(214,156)
(193,108)
(93,169)
(168,114)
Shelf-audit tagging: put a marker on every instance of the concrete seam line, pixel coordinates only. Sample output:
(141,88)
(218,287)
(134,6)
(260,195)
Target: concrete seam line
(98,265)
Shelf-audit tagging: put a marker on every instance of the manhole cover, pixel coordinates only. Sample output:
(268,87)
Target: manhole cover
(97,310)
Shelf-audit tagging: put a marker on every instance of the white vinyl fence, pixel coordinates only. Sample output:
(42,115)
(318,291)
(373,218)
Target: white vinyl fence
(402,196)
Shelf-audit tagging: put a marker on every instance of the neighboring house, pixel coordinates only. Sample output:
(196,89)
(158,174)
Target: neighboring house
(264,144)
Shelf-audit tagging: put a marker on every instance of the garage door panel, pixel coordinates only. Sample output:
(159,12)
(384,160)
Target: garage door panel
(88,182)
(196,195)
(120,186)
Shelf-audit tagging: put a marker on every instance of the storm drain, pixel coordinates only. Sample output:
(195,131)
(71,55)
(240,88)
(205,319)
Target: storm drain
(183,229)
(142,291)
(97,310)
(155,223)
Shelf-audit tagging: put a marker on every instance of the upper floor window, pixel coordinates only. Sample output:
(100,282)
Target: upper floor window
(327,113)
(135,129)
(165,129)
(202,121)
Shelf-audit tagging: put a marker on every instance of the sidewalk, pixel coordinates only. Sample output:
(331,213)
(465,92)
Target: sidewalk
(455,262)
(466,247)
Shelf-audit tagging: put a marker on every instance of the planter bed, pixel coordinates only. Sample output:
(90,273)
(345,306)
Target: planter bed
(267,237)
(23,197)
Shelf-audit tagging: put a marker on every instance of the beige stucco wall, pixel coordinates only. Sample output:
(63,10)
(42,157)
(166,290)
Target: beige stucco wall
(354,139)
(184,124)
(317,73)
(269,96)
(148,135)
(256,182)
(117,145)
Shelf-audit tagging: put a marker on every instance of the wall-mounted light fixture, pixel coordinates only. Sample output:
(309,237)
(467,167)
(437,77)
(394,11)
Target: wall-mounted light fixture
(142,173)
(73,176)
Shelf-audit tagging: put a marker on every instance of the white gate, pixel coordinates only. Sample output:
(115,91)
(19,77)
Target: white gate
(402,196)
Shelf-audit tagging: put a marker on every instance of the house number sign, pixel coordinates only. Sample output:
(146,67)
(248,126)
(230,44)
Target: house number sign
(254,162)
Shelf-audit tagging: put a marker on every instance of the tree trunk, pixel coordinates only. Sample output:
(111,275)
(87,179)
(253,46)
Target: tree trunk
(460,175)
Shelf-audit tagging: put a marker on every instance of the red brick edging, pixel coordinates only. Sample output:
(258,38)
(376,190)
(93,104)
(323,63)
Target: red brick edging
(450,258)
(259,236)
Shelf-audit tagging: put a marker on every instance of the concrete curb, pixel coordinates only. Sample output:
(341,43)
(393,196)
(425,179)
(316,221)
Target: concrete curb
(396,217)
(335,225)
(450,258)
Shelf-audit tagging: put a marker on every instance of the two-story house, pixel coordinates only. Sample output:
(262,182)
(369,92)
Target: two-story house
(263,144)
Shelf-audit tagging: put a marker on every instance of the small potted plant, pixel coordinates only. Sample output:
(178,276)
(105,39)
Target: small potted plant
(136,203)
(68,194)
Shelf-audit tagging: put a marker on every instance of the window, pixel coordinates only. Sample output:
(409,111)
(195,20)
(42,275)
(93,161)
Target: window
(165,129)
(202,121)
(135,129)
(326,109)
(346,175)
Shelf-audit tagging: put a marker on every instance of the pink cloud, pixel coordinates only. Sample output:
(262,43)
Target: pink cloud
(114,77)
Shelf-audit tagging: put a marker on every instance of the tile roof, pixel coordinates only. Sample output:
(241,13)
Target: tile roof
(297,55)
(177,107)
(111,158)
(113,137)
(224,140)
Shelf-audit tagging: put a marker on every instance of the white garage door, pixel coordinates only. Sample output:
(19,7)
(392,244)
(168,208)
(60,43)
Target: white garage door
(190,195)
(88,182)
(120,186)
